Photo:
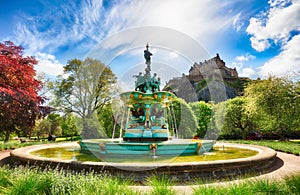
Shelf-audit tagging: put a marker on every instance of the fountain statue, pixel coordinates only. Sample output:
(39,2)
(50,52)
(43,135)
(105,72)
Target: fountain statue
(147,110)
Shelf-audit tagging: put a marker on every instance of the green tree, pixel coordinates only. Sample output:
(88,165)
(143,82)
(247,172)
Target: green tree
(203,111)
(296,104)
(108,120)
(276,99)
(68,126)
(55,121)
(42,128)
(237,121)
(48,125)
(186,121)
(84,89)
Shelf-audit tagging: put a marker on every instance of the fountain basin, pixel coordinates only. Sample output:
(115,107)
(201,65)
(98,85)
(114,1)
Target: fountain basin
(258,164)
(171,147)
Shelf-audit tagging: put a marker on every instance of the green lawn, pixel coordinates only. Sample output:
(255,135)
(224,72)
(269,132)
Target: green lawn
(291,147)
(13,144)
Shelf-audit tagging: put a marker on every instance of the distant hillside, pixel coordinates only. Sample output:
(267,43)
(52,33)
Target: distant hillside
(206,79)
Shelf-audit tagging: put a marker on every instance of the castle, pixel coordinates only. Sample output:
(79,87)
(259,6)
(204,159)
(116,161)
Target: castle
(214,71)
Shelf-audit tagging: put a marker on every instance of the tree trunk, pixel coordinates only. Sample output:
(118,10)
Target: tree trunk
(282,136)
(7,135)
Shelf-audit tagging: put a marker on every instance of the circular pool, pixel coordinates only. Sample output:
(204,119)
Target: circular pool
(221,162)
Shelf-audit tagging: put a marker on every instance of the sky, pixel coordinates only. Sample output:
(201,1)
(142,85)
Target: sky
(258,37)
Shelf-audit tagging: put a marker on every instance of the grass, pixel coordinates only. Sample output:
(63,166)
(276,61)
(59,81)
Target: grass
(23,181)
(282,146)
(161,185)
(290,186)
(13,144)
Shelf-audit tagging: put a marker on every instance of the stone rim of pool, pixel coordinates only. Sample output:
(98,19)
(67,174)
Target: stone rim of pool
(260,163)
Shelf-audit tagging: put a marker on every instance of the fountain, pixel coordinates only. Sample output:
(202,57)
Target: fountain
(150,145)
(147,129)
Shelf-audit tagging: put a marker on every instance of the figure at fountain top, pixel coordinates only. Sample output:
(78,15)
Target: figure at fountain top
(147,55)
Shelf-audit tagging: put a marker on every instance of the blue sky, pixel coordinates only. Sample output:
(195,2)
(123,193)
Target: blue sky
(258,37)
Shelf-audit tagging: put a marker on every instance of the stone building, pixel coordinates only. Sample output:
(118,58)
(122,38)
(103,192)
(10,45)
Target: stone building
(206,77)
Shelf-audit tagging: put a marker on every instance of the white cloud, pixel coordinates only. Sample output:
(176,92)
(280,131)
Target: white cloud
(48,64)
(239,64)
(274,25)
(237,22)
(200,19)
(287,63)
(245,58)
(79,26)
(74,23)
(279,3)
(60,26)
(248,72)
(279,25)
(259,44)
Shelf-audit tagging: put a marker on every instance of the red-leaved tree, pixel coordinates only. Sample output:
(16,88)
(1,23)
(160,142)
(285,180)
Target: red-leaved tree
(19,99)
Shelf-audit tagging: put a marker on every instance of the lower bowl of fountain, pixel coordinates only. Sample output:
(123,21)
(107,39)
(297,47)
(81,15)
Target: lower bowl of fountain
(170,147)
(259,163)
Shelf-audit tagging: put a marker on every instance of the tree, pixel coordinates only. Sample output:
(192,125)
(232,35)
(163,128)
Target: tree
(55,121)
(19,99)
(42,128)
(278,101)
(84,90)
(108,120)
(203,111)
(237,121)
(186,121)
(68,125)
(48,125)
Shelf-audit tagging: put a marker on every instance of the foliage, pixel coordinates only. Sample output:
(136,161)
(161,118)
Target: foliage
(238,84)
(68,125)
(19,99)
(237,122)
(84,89)
(49,125)
(219,116)
(201,85)
(277,100)
(203,111)
(268,106)
(55,121)
(42,128)
(186,120)
(108,120)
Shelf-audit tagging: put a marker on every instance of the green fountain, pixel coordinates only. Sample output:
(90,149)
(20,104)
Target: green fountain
(146,130)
